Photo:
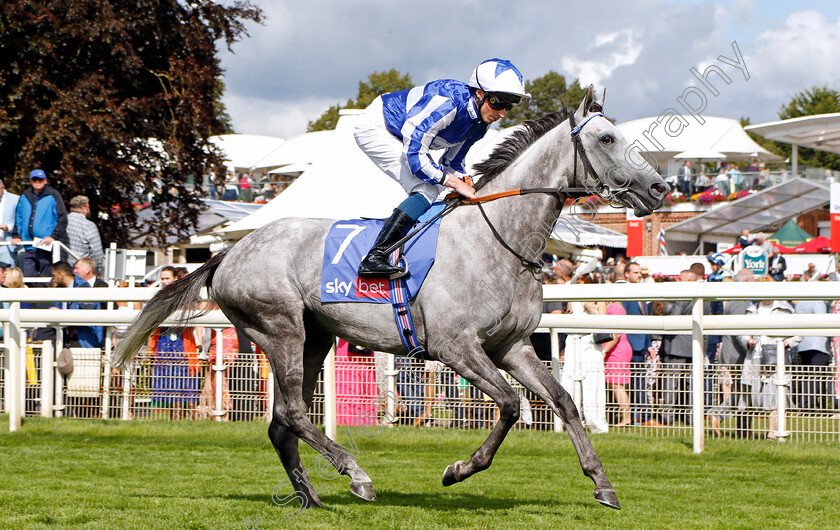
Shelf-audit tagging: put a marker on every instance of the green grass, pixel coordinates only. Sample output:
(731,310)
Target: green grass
(153,474)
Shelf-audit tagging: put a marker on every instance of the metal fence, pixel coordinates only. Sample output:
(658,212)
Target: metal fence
(433,396)
(786,400)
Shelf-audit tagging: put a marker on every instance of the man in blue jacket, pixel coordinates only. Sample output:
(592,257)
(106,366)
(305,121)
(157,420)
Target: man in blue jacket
(399,130)
(40,214)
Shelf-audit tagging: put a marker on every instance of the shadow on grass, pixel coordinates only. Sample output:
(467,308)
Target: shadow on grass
(445,501)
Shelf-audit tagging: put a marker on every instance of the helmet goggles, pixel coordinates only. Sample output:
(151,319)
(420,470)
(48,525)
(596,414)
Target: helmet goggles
(499,101)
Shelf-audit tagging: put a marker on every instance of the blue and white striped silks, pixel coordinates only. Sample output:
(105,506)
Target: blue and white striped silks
(439,115)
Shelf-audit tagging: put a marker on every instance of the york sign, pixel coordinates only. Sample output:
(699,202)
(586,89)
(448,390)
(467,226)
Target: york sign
(753,258)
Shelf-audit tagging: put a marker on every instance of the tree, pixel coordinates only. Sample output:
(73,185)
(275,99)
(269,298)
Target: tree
(816,100)
(548,94)
(87,83)
(378,83)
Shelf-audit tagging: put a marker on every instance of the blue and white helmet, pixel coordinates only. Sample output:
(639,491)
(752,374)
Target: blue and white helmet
(716,258)
(499,75)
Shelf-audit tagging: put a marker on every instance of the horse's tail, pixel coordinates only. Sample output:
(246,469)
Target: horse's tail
(180,295)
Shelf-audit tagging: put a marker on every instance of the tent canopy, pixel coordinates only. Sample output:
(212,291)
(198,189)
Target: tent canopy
(790,235)
(699,154)
(821,131)
(779,203)
(718,135)
(243,152)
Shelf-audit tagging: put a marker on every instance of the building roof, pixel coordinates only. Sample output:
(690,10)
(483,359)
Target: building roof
(821,131)
(754,212)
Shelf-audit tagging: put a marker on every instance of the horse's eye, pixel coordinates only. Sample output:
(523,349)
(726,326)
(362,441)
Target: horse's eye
(607,139)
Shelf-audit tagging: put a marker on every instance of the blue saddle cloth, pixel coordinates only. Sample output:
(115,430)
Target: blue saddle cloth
(349,241)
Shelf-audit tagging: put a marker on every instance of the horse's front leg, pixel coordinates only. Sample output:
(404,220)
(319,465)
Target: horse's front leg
(522,363)
(473,365)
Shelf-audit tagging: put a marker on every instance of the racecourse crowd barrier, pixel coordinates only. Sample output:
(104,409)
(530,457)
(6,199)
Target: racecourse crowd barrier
(784,401)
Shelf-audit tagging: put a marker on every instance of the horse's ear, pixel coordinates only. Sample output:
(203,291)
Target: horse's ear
(583,110)
(598,106)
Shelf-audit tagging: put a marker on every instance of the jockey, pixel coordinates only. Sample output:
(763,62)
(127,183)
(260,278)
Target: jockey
(717,261)
(399,130)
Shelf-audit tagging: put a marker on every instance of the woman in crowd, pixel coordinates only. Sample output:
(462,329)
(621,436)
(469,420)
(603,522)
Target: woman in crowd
(617,355)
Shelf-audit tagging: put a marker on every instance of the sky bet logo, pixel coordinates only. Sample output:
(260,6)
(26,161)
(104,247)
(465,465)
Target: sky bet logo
(365,288)
(373,288)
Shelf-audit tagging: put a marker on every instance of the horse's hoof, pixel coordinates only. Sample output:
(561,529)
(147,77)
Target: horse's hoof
(607,497)
(449,477)
(363,490)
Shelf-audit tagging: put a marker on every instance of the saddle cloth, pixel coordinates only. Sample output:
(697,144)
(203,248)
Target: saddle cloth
(349,241)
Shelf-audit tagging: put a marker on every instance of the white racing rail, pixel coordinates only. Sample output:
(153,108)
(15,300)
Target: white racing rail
(16,320)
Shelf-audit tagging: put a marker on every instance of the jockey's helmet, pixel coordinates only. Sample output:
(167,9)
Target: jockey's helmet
(501,77)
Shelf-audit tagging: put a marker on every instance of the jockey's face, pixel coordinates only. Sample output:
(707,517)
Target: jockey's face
(489,114)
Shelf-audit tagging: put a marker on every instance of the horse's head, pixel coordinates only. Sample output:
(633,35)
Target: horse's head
(613,168)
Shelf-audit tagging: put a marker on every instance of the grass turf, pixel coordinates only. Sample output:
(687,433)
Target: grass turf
(154,474)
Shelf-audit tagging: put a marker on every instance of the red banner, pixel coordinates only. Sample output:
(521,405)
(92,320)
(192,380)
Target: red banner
(635,237)
(835,232)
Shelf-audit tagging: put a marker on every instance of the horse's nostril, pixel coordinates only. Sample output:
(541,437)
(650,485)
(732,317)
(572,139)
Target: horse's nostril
(659,189)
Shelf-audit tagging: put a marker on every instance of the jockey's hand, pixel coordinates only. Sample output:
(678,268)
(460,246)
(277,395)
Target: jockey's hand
(456,183)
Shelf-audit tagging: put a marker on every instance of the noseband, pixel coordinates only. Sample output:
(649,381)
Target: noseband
(612,194)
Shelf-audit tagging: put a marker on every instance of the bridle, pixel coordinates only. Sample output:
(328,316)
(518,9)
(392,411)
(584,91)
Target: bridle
(560,193)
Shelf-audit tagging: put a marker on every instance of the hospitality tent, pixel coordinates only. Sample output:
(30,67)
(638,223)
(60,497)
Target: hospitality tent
(243,152)
(715,137)
(790,235)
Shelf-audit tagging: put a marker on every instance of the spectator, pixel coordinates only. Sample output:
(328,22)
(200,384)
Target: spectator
(8,206)
(759,366)
(733,350)
(231,188)
(617,355)
(777,265)
(686,185)
(676,360)
(642,352)
(810,273)
(646,277)
(766,246)
(835,276)
(699,271)
(246,183)
(584,358)
(41,215)
(167,275)
(85,269)
(722,183)
(83,236)
(3,280)
(176,372)
(14,278)
(815,357)
(563,271)
(737,179)
(744,241)
(76,336)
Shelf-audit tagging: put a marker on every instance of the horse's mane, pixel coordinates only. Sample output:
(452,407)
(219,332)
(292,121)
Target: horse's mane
(506,152)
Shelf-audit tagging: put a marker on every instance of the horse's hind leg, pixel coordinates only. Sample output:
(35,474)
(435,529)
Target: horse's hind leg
(288,353)
(522,363)
(316,347)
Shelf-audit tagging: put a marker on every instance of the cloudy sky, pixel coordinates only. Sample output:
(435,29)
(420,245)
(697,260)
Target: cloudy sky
(311,54)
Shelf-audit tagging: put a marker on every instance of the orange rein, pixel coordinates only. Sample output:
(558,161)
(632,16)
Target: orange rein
(492,196)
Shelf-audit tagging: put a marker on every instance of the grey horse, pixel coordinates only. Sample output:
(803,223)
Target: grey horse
(475,313)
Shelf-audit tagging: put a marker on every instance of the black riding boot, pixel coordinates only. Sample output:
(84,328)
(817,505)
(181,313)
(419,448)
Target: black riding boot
(375,264)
